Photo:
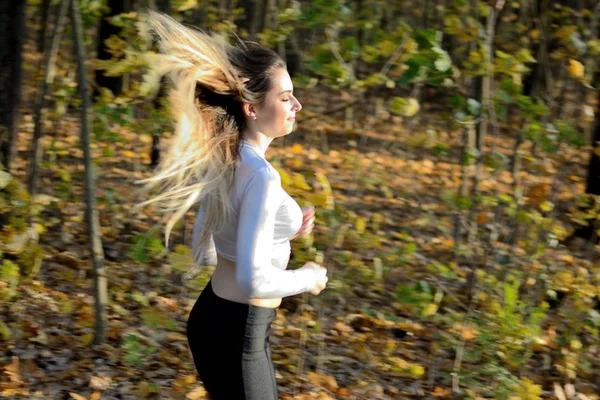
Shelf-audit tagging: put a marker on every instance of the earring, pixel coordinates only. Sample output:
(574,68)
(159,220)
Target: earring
(254,117)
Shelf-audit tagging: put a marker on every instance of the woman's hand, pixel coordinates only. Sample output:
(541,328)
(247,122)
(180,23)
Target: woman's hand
(321,277)
(308,222)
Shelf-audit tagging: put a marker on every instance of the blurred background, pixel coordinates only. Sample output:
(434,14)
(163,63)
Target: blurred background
(451,149)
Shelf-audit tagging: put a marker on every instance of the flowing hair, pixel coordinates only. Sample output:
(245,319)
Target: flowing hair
(210,79)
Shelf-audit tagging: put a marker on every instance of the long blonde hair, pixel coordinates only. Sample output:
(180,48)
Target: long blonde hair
(210,81)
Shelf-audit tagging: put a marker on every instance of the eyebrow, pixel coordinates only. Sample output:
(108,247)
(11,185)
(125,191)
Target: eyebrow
(285,91)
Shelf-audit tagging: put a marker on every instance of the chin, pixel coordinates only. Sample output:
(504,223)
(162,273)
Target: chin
(286,132)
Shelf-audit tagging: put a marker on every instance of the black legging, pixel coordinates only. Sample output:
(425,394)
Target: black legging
(230,347)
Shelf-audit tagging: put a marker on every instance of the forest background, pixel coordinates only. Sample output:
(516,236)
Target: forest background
(451,149)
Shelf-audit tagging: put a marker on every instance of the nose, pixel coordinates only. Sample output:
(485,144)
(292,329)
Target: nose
(297,105)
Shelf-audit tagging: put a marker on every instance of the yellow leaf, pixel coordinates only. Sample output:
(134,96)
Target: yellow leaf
(417,370)
(129,153)
(41,338)
(178,337)
(378,265)
(115,45)
(361,225)
(559,392)
(143,390)
(576,69)
(96,395)
(576,344)
(588,113)
(300,183)
(196,394)
(527,390)
(77,396)
(87,339)
(297,148)
(286,179)
(4,331)
(546,206)
(182,383)
(184,5)
(469,333)
(320,200)
(411,108)
(429,310)
(296,163)
(5,179)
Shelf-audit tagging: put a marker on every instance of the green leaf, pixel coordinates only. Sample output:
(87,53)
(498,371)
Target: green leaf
(5,179)
(350,45)
(428,38)
(5,332)
(524,56)
(65,176)
(443,62)
(504,96)
(456,101)
(140,298)
(473,107)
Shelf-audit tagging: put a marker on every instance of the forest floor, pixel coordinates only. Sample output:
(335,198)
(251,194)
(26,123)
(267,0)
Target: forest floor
(356,340)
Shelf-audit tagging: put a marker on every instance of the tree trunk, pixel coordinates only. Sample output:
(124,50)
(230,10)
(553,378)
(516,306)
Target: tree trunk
(593,179)
(12,34)
(164,6)
(281,45)
(294,59)
(155,152)
(269,15)
(486,105)
(468,140)
(114,83)
(590,61)
(537,82)
(91,213)
(45,10)
(592,184)
(255,25)
(36,149)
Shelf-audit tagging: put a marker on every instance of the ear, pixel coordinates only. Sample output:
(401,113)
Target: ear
(249,111)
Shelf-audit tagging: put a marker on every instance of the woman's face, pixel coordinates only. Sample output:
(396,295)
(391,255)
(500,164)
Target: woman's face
(276,114)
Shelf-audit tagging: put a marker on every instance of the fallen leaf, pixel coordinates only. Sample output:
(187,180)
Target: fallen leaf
(559,392)
(96,395)
(196,394)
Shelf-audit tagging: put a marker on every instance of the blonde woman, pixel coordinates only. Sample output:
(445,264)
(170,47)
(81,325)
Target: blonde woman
(230,103)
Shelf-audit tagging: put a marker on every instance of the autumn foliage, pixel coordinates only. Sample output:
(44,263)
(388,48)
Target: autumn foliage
(446,147)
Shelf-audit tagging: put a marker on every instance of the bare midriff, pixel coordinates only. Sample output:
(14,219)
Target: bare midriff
(225,286)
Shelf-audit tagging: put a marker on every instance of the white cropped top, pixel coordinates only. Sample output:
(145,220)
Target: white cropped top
(258,239)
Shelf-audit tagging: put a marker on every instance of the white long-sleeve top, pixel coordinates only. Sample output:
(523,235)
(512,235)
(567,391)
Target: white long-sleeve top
(258,240)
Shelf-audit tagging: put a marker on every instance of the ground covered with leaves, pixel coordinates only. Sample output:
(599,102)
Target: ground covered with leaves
(399,319)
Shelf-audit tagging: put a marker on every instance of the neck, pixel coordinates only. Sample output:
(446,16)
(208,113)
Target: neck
(257,139)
